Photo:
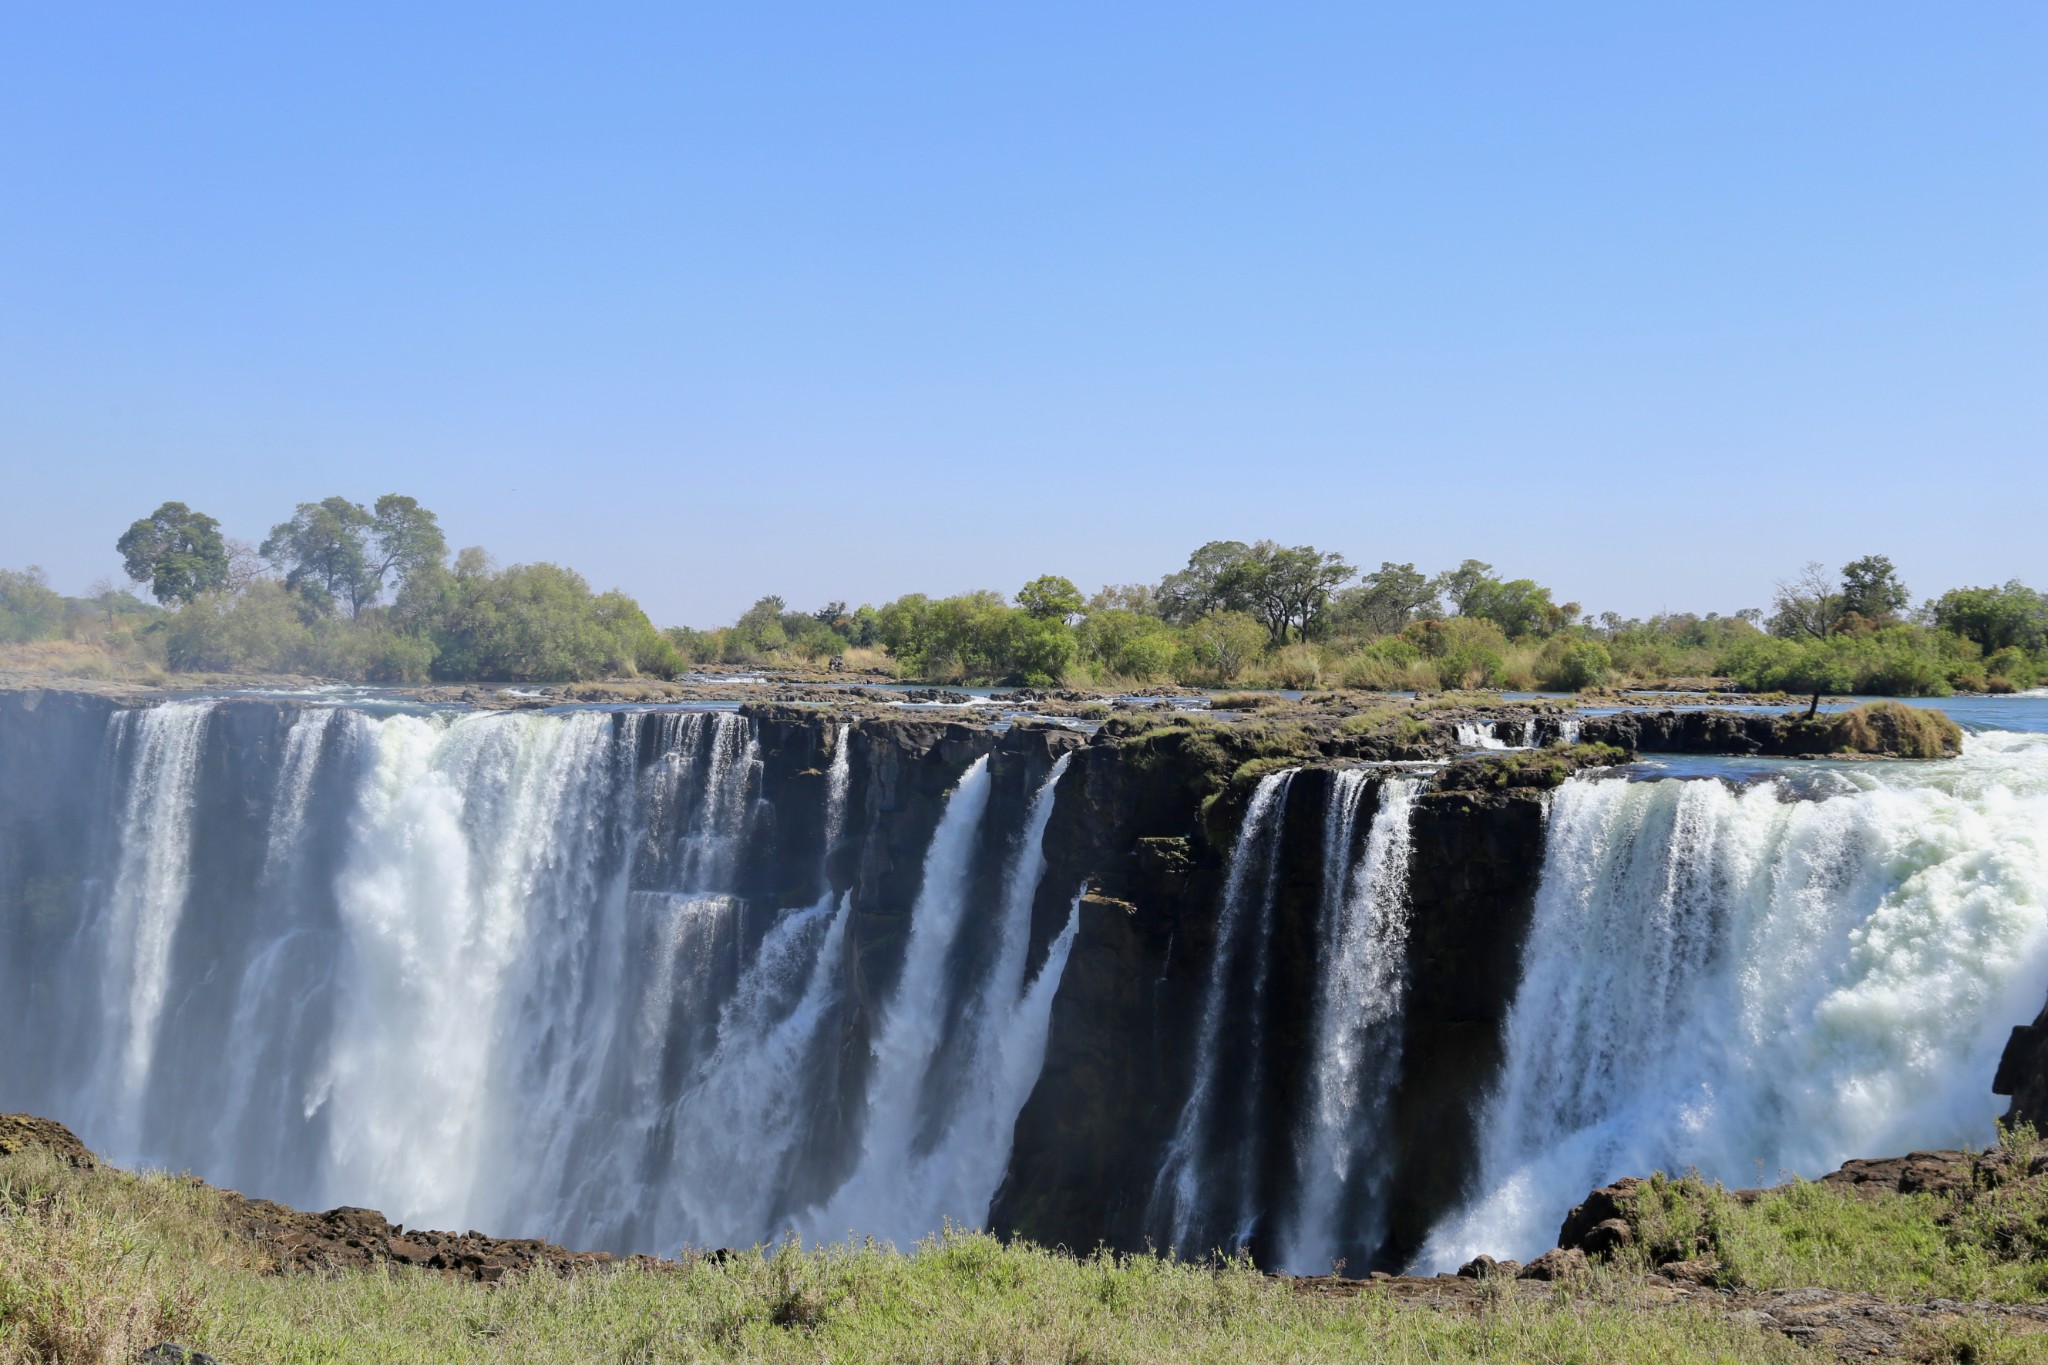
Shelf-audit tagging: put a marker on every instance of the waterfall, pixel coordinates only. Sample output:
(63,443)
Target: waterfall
(147,898)
(1357,1042)
(1007,1021)
(1478,734)
(1568,729)
(471,858)
(1762,979)
(739,1128)
(908,1179)
(1208,1175)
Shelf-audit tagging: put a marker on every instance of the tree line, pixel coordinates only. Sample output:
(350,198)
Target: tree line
(1294,616)
(370,592)
(348,591)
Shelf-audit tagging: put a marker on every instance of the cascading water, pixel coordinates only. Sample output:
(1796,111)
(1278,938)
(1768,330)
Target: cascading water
(1357,1046)
(1206,1192)
(935,1145)
(737,1130)
(1768,978)
(1478,734)
(147,899)
(632,979)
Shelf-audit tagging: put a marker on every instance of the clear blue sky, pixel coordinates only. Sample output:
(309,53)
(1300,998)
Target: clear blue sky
(1650,302)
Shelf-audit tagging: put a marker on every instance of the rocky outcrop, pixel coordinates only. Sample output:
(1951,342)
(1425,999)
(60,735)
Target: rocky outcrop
(21,1132)
(1875,730)
(2023,1073)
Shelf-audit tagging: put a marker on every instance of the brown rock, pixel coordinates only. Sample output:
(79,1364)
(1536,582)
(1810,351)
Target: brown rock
(1561,1263)
(1607,1237)
(19,1132)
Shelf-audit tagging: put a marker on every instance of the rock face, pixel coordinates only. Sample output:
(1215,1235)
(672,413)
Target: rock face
(2023,1073)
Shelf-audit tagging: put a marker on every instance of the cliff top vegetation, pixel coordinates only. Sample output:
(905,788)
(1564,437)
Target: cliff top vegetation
(370,592)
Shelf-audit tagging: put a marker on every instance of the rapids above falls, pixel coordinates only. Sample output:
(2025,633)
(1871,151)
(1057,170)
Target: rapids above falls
(648,977)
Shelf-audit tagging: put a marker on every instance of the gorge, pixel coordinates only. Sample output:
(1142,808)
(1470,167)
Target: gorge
(633,977)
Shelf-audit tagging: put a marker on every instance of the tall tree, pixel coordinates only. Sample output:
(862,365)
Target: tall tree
(1050,597)
(1285,586)
(1808,607)
(1204,585)
(1386,601)
(177,551)
(1463,584)
(325,554)
(1871,588)
(404,539)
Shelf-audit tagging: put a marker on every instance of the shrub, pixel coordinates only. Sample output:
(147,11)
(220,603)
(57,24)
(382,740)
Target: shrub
(258,630)
(1895,729)
(1570,665)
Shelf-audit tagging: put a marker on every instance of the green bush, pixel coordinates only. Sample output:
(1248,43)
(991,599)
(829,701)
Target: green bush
(1571,664)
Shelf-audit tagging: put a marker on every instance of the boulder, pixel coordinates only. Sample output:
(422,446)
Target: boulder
(1606,1238)
(1609,1203)
(1561,1263)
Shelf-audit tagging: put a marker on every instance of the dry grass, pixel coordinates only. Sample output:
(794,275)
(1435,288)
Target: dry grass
(1890,727)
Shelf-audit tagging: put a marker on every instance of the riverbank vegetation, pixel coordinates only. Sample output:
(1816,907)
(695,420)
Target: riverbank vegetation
(371,593)
(1264,615)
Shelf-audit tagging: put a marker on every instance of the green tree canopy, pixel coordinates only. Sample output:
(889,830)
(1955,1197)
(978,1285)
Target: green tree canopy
(1872,590)
(177,551)
(404,539)
(1205,585)
(1050,597)
(1286,587)
(325,554)
(1386,601)
(2014,616)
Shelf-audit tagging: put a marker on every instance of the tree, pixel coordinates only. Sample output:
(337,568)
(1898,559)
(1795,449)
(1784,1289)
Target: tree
(1871,589)
(177,551)
(1224,642)
(1285,587)
(1460,585)
(1050,597)
(1204,585)
(1385,602)
(1519,607)
(1137,597)
(2014,616)
(404,539)
(324,551)
(1807,607)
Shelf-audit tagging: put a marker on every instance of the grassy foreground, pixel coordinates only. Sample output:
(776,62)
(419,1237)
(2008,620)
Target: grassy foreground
(98,1265)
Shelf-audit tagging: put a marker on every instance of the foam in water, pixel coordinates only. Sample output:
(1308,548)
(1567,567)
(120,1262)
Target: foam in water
(1357,1047)
(1204,1176)
(1745,983)
(148,893)
(1474,734)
